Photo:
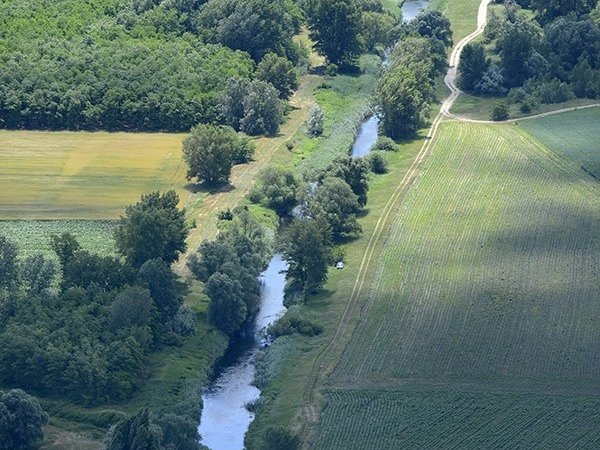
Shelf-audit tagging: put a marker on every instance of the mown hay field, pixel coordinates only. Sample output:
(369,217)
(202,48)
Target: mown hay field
(67,175)
(488,283)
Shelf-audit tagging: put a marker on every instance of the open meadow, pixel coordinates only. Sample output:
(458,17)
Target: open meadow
(481,317)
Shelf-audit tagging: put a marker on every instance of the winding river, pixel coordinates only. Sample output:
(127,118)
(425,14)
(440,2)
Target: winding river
(369,129)
(225,418)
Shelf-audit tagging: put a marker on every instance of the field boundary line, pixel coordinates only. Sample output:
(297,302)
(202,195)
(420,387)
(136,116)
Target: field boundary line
(309,395)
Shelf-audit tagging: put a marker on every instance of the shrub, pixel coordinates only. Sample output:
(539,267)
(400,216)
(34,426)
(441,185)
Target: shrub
(385,144)
(500,112)
(378,163)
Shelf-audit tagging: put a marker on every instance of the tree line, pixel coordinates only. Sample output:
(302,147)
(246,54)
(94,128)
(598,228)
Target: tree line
(551,57)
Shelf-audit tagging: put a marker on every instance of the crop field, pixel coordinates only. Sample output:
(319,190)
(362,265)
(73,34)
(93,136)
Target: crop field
(458,420)
(66,175)
(487,283)
(33,236)
(574,135)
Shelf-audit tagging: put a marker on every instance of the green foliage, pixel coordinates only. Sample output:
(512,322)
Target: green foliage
(254,26)
(152,228)
(400,102)
(473,64)
(306,246)
(279,72)
(73,65)
(354,171)
(377,162)
(336,204)
(37,273)
(252,107)
(314,125)
(227,310)
(277,438)
(293,323)
(135,433)
(230,266)
(500,111)
(210,152)
(164,286)
(432,23)
(277,188)
(21,421)
(385,144)
(8,264)
(335,27)
(262,109)
(376,29)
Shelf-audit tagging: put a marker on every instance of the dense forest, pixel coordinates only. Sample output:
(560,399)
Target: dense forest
(550,56)
(164,64)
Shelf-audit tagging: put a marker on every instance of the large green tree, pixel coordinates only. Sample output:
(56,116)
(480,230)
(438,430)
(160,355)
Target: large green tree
(227,309)
(209,152)
(335,28)
(473,64)
(400,102)
(334,203)
(8,264)
(277,188)
(306,246)
(21,421)
(278,71)
(152,228)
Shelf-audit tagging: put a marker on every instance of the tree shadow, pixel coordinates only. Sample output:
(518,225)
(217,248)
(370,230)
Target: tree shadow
(197,188)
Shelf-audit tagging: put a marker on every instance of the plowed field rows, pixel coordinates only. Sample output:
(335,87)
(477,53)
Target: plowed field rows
(377,420)
(574,135)
(481,325)
(490,269)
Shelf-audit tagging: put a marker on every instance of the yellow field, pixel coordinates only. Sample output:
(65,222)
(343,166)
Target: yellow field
(66,175)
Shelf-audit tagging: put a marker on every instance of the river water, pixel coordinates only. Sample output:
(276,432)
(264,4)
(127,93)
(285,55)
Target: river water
(225,418)
(369,129)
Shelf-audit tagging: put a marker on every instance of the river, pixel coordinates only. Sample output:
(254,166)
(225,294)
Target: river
(225,418)
(369,129)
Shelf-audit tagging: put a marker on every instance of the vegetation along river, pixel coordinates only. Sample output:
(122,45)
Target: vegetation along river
(225,418)
(369,129)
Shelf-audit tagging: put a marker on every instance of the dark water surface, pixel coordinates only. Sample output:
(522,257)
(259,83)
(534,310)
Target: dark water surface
(369,129)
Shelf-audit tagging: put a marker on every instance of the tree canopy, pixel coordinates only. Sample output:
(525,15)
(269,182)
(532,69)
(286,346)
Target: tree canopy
(21,421)
(210,152)
(152,228)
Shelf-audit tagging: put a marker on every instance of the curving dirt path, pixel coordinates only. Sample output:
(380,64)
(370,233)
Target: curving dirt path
(519,119)
(320,368)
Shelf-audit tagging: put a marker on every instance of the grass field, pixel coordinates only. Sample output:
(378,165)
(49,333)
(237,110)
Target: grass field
(462,15)
(65,175)
(487,284)
(574,135)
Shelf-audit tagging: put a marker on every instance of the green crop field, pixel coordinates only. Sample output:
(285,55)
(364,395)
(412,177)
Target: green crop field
(487,284)
(65,175)
(574,135)
(33,236)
